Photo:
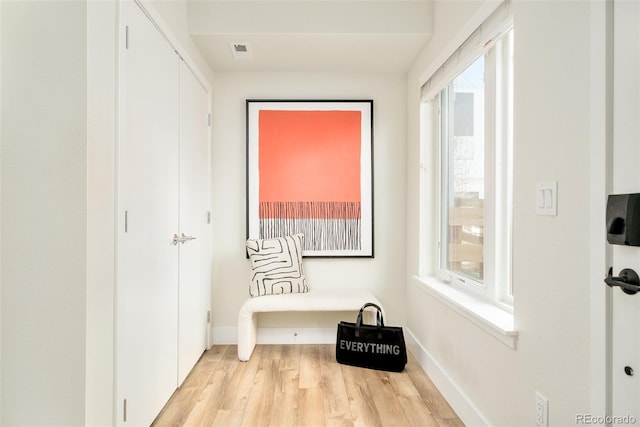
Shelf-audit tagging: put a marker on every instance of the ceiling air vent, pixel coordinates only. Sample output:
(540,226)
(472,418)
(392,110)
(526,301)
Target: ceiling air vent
(240,51)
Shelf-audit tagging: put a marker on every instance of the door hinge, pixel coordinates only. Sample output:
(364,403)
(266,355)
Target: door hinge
(126,221)
(209,316)
(126,37)
(209,119)
(124,410)
(209,217)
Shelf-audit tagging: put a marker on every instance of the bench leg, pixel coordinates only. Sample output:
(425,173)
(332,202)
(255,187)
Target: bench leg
(247,331)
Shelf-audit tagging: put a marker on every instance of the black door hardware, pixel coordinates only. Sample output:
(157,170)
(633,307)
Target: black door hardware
(628,281)
(623,219)
(628,370)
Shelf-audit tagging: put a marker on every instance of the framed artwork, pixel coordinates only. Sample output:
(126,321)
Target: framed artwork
(310,171)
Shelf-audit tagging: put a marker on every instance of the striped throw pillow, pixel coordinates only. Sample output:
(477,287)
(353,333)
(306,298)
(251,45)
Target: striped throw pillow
(276,266)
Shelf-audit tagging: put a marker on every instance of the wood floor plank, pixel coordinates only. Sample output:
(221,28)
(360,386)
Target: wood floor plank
(260,400)
(285,398)
(226,418)
(450,422)
(302,385)
(417,413)
(311,409)
(241,382)
(216,352)
(361,403)
(228,362)
(206,407)
(273,352)
(186,396)
(310,367)
(177,414)
(432,397)
(402,384)
(335,422)
(386,401)
(336,401)
(290,357)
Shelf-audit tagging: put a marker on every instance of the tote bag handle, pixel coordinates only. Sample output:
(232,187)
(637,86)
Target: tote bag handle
(379,319)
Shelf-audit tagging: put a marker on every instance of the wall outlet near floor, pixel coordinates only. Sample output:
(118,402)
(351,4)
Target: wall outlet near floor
(542,410)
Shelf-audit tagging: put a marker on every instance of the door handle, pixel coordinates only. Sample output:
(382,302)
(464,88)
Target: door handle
(186,238)
(628,281)
(181,239)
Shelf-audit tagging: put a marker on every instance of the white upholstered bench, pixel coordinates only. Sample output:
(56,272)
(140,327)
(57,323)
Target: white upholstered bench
(314,300)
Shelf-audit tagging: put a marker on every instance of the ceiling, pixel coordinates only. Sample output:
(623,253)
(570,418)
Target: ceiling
(311,35)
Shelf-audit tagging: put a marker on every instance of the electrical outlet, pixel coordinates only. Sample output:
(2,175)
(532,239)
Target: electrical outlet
(542,410)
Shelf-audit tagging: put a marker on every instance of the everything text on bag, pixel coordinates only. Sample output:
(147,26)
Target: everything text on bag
(366,347)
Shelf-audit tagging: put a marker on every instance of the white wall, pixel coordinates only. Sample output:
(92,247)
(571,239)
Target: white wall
(43,212)
(383,275)
(101,169)
(551,254)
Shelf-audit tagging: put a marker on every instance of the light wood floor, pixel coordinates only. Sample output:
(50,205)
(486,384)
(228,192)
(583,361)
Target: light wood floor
(302,385)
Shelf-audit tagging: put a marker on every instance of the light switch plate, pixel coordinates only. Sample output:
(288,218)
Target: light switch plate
(547,198)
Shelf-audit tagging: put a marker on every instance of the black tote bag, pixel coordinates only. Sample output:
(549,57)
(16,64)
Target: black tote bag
(371,346)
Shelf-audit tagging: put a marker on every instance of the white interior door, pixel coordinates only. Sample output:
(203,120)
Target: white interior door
(195,261)
(626,179)
(147,316)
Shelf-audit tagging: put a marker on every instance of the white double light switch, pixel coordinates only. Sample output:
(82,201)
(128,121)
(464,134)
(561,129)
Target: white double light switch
(547,198)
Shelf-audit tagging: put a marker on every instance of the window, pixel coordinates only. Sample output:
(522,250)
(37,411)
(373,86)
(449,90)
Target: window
(475,140)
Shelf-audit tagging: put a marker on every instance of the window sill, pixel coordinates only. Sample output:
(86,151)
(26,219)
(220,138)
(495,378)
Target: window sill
(493,320)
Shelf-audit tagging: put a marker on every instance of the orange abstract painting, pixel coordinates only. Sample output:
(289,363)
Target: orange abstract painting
(309,176)
(309,156)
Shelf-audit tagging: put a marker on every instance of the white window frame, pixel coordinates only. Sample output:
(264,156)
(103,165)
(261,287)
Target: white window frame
(492,312)
(498,104)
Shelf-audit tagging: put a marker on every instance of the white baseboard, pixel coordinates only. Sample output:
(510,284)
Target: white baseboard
(296,335)
(229,335)
(466,410)
(225,335)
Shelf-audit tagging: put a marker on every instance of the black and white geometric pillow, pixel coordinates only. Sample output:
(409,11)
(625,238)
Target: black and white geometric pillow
(276,266)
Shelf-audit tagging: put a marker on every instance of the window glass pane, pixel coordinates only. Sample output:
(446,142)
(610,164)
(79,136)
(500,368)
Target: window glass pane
(466,172)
